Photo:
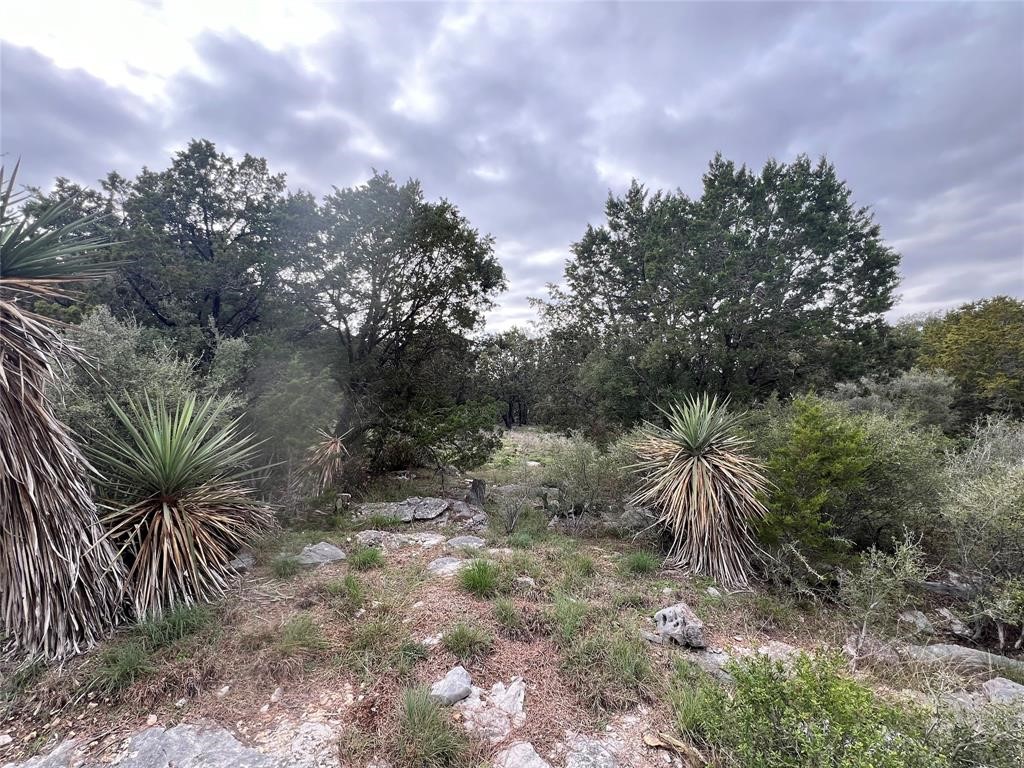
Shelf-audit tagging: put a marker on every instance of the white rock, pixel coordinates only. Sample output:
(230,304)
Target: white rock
(181,702)
(446,566)
(5,739)
(918,621)
(589,752)
(494,714)
(714,592)
(276,695)
(680,624)
(223,691)
(1000,690)
(466,542)
(320,554)
(264,709)
(151,720)
(453,687)
(521,754)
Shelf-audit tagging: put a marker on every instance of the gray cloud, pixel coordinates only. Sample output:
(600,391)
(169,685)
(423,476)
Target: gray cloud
(526,116)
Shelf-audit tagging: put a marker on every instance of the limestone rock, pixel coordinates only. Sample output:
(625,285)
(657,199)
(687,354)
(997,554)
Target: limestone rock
(243,563)
(188,746)
(466,542)
(391,541)
(453,687)
(592,752)
(494,714)
(680,625)
(999,690)
(968,660)
(918,621)
(521,754)
(320,554)
(951,624)
(446,566)
(314,746)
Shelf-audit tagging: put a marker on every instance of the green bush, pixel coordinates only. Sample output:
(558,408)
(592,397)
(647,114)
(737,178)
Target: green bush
(811,715)
(425,737)
(480,577)
(366,559)
(847,481)
(927,397)
(466,641)
(589,481)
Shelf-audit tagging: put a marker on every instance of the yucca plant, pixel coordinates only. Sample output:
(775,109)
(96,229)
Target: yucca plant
(699,478)
(176,499)
(326,460)
(60,580)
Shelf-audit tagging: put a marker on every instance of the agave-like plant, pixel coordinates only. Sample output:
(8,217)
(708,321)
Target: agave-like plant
(698,476)
(176,498)
(326,459)
(60,580)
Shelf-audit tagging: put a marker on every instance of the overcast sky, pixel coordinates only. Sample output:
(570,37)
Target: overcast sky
(526,115)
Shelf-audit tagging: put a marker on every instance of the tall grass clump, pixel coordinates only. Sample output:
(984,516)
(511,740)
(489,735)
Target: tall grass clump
(480,577)
(177,503)
(697,475)
(60,579)
(426,737)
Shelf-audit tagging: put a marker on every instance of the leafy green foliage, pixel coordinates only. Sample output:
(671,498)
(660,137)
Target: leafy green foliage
(981,346)
(674,295)
(706,489)
(467,641)
(177,502)
(425,737)
(926,397)
(844,480)
(812,715)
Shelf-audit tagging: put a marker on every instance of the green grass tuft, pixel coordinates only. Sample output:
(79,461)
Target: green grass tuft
(345,593)
(466,641)
(285,566)
(120,666)
(641,563)
(480,577)
(366,559)
(300,635)
(178,623)
(610,668)
(426,737)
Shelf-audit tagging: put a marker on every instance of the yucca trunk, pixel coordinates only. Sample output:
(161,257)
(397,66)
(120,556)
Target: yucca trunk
(60,580)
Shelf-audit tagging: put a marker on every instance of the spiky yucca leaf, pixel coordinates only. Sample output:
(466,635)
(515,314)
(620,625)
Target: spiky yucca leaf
(60,580)
(705,487)
(177,502)
(326,460)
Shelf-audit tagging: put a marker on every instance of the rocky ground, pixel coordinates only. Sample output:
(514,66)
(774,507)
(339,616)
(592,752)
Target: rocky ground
(299,675)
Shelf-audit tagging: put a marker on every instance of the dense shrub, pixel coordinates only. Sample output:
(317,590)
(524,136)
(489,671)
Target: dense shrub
(811,715)
(590,481)
(848,481)
(925,396)
(126,358)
